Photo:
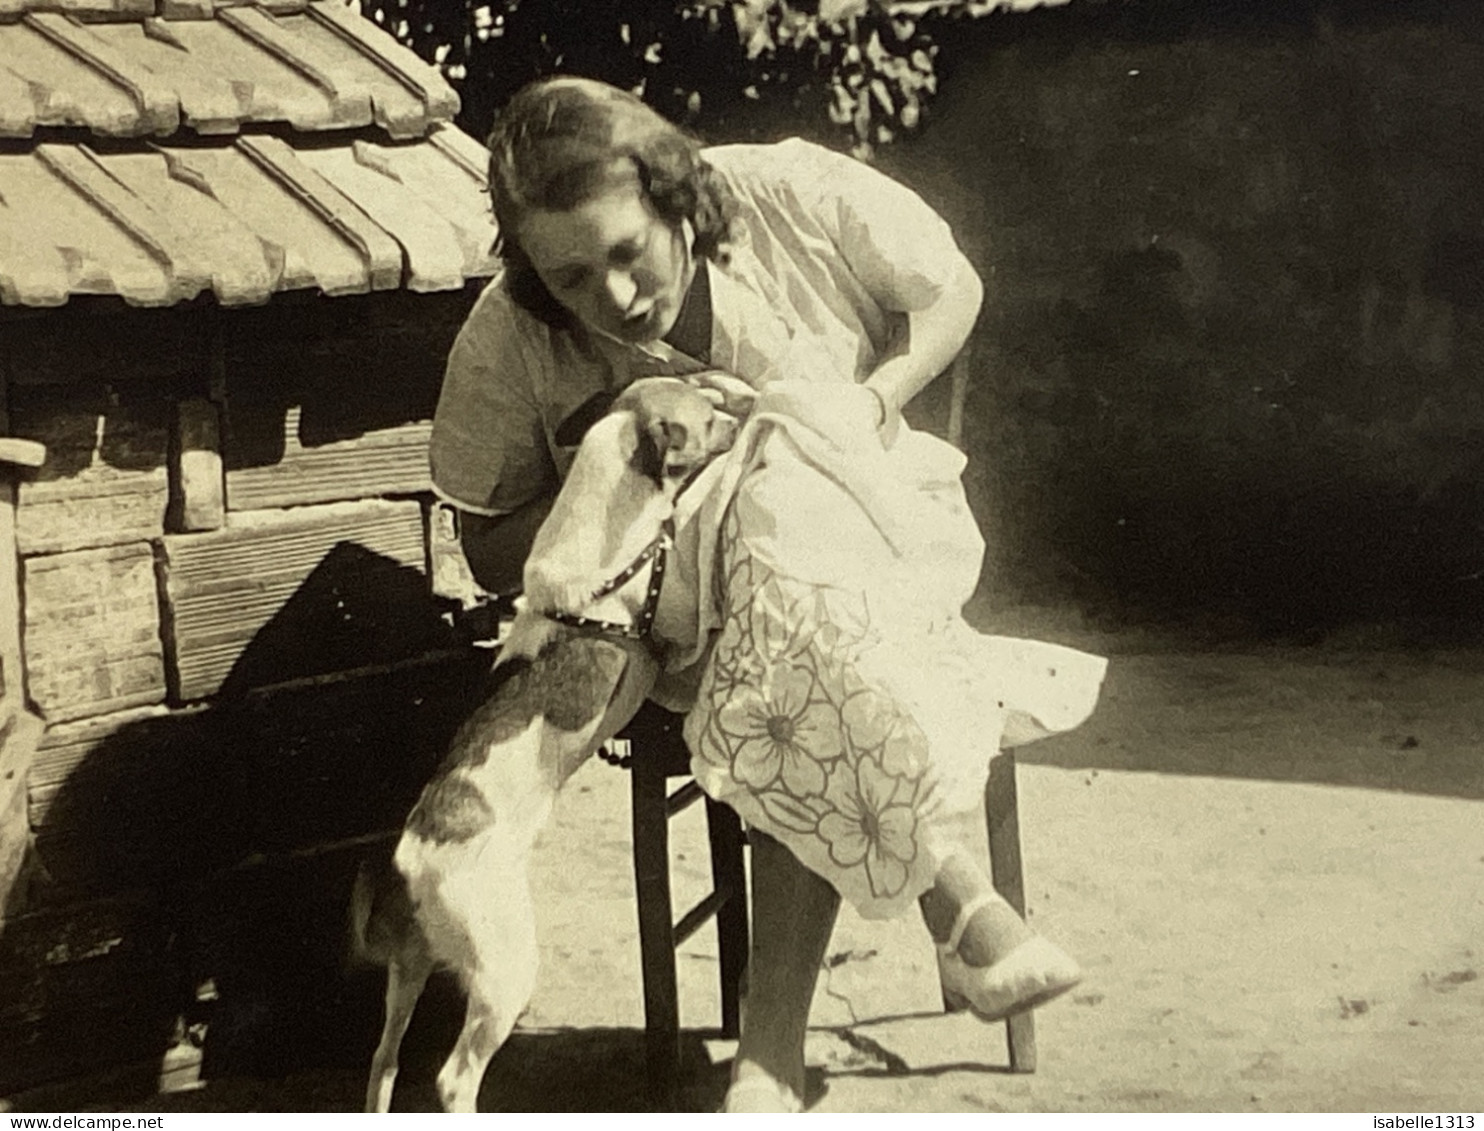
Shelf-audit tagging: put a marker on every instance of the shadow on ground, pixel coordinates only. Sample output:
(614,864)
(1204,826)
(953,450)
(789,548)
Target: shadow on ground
(550,1070)
(1408,722)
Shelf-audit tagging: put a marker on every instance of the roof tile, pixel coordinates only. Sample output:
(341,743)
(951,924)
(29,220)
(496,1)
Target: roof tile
(91,9)
(380,50)
(149,97)
(379,252)
(149,226)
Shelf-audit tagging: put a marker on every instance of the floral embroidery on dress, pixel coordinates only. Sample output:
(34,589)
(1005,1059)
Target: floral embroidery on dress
(801,742)
(779,730)
(873,822)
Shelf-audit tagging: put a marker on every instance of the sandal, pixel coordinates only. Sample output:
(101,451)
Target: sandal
(1030,975)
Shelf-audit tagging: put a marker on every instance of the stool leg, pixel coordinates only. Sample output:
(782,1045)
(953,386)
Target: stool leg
(729,874)
(1002,813)
(656,926)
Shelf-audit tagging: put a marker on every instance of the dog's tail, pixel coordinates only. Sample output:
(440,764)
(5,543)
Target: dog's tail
(360,948)
(382,922)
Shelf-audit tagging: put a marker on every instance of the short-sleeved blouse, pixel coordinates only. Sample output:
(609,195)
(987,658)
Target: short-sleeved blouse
(827,255)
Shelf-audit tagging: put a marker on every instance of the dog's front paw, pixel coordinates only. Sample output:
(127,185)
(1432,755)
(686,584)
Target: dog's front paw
(548,592)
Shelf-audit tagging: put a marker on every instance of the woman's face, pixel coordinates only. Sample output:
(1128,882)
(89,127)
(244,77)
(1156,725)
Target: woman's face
(612,261)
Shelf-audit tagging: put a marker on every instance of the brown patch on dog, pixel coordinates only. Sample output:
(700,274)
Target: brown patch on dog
(577,679)
(451,809)
(570,682)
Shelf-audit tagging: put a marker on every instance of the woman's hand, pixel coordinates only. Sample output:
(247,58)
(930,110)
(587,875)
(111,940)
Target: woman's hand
(890,420)
(730,394)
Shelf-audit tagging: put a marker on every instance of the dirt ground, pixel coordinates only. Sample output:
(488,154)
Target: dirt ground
(1271,865)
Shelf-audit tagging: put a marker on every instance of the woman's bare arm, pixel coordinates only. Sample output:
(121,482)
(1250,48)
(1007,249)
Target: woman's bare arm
(935,335)
(496,548)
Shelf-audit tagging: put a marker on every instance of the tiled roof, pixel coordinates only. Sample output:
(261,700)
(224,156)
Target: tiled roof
(319,66)
(242,218)
(167,149)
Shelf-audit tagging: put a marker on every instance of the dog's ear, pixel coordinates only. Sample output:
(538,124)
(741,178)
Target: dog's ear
(657,440)
(649,453)
(676,445)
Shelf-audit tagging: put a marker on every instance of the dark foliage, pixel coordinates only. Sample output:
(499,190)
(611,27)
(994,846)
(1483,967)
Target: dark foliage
(852,66)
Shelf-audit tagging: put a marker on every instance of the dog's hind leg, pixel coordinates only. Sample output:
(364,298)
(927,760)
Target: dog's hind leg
(404,985)
(486,1027)
(499,980)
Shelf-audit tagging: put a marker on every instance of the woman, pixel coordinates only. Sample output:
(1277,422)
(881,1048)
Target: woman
(835,698)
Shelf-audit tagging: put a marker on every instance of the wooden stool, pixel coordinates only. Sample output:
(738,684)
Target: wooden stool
(658,753)
(1002,816)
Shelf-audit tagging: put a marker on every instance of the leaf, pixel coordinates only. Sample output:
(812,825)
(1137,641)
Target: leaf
(788,811)
(842,106)
(838,11)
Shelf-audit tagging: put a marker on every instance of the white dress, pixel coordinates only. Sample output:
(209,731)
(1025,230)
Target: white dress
(843,705)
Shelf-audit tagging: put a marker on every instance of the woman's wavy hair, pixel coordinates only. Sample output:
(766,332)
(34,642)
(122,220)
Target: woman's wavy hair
(553,147)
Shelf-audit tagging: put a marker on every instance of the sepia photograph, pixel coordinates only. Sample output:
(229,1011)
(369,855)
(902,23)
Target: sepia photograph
(742,556)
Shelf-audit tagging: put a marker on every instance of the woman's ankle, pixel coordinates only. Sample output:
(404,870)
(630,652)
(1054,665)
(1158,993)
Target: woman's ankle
(992,930)
(939,912)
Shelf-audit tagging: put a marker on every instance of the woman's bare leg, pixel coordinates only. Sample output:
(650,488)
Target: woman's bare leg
(793,916)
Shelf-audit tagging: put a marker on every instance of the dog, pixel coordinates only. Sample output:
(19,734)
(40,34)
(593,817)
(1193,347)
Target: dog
(575,666)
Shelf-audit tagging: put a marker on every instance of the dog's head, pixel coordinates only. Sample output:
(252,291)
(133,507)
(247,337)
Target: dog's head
(679,428)
(630,465)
